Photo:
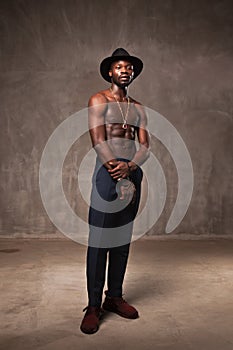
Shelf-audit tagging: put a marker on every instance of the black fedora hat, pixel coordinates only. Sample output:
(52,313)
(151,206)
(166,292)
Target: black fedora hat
(117,55)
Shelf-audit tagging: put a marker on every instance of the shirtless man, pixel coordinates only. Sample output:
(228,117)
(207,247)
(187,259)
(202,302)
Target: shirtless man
(115,120)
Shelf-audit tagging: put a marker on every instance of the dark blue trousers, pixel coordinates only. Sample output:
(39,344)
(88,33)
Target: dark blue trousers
(110,234)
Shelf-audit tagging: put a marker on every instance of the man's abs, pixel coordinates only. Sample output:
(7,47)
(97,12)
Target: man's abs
(121,141)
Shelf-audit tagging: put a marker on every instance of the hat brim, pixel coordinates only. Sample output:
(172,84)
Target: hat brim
(106,65)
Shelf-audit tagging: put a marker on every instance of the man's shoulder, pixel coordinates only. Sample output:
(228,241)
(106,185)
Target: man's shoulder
(98,98)
(132,100)
(136,103)
(139,107)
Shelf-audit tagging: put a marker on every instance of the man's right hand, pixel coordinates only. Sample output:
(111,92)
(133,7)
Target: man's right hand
(120,170)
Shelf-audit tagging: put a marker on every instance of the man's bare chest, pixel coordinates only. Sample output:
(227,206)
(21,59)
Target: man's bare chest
(122,112)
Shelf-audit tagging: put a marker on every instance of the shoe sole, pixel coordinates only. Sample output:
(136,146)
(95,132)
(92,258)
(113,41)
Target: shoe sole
(97,328)
(92,332)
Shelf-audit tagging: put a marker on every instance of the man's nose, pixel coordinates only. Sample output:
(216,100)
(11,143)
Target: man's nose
(124,70)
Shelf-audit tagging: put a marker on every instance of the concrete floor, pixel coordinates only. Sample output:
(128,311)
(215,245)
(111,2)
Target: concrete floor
(182,289)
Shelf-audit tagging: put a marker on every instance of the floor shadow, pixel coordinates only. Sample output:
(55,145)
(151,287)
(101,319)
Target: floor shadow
(147,288)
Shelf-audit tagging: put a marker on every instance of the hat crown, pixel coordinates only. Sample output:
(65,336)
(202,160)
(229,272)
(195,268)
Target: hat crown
(120,52)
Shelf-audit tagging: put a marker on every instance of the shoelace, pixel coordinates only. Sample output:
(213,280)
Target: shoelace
(86,308)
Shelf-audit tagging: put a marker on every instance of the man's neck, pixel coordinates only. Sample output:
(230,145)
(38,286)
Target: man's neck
(119,92)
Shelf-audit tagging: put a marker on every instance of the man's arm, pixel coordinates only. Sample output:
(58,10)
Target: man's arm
(143,152)
(97,108)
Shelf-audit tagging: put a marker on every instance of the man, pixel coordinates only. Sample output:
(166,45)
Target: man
(115,119)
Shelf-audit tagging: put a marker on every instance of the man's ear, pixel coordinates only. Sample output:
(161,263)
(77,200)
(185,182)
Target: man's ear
(110,73)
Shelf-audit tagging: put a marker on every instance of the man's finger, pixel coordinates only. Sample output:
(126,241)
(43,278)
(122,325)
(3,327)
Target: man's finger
(114,163)
(116,176)
(114,170)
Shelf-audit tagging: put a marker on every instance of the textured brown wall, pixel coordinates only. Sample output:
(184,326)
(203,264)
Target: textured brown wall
(49,59)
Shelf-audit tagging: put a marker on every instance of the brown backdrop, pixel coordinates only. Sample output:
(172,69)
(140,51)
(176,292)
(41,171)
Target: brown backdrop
(49,62)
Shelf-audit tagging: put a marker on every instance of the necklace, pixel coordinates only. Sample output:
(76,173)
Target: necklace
(124,117)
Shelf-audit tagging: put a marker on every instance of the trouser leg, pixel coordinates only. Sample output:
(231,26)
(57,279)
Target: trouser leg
(118,257)
(96,267)
(98,219)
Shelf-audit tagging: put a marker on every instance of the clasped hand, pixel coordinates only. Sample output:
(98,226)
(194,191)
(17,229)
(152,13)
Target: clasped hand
(120,172)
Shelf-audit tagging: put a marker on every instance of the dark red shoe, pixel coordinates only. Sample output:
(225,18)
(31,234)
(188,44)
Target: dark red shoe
(120,307)
(91,319)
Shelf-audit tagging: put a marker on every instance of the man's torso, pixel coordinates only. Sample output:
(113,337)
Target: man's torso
(120,140)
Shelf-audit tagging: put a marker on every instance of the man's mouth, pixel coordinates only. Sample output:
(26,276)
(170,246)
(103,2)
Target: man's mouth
(124,78)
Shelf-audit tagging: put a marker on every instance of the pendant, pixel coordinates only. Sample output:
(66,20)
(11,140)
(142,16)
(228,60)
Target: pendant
(124,126)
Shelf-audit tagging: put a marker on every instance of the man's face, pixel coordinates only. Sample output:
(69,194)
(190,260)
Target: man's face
(122,73)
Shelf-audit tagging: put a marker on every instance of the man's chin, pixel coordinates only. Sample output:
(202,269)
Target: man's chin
(123,84)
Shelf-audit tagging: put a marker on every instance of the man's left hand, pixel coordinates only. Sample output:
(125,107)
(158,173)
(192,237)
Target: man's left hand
(120,171)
